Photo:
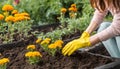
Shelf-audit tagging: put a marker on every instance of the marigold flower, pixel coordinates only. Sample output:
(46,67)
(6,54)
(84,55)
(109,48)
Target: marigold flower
(4,61)
(33,54)
(52,46)
(58,43)
(17,15)
(25,14)
(31,47)
(73,9)
(21,16)
(63,10)
(9,19)
(1,17)
(14,11)
(73,5)
(7,8)
(46,41)
(38,40)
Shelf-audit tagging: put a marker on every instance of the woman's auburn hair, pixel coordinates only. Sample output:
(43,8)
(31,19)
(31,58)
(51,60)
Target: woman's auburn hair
(101,6)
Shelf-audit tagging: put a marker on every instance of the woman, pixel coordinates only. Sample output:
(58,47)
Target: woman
(107,33)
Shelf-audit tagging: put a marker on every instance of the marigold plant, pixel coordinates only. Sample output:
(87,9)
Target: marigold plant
(33,57)
(13,22)
(62,17)
(73,11)
(54,47)
(44,43)
(50,46)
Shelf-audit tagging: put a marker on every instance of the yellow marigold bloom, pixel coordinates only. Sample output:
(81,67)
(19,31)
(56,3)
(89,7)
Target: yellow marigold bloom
(52,46)
(38,40)
(9,19)
(58,43)
(25,14)
(33,54)
(17,15)
(16,19)
(73,5)
(63,10)
(20,18)
(31,47)
(1,17)
(7,8)
(14,11)
(4,61)
(46,41)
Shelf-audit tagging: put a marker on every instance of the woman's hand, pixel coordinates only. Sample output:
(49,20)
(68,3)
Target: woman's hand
(75,45)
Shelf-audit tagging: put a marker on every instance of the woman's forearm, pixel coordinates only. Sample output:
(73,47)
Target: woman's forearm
(93,26)
(94,39)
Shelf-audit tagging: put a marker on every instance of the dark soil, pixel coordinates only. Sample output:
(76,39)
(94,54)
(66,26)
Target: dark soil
(82,60)
(78,60)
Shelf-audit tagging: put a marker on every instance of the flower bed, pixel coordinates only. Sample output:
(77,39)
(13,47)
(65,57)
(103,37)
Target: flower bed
(81,60)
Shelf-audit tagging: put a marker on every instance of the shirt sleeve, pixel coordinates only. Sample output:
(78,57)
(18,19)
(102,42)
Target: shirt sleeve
(98,16)
(113,30)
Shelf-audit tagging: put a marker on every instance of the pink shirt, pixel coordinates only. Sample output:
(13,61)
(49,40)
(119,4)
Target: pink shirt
(113,29)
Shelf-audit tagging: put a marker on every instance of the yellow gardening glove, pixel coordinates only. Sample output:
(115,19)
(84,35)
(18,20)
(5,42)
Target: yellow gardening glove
(85,34)
(75,45)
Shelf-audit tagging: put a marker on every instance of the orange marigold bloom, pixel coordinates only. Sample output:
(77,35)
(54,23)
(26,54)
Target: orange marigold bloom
(73,5)
(25,14)
(73,9)
(33,54)
(63,10)
(1,17)
(9,19)
(52,46)
(31,47)
(19,18)
(38,40)
(58,43)
(14,12)
(17,15)
(7,8)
